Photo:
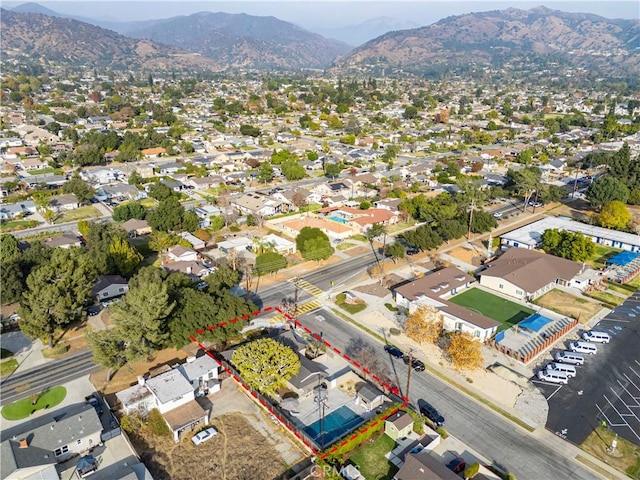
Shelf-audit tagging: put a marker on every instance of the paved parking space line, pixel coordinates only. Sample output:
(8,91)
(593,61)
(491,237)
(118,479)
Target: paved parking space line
(609,422)
(631,414)
(631,381)
(550,384)
(622,417)
(613,406)
(625,389)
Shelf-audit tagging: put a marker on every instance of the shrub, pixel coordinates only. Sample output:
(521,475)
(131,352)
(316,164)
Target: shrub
(418,421)
(390,307)
(130,423)
(510,476)
(472,470)
(234,228)
(442,432)
(157,424)
(394,331)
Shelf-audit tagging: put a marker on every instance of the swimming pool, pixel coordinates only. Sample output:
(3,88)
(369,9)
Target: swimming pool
(336,424)
(335,218)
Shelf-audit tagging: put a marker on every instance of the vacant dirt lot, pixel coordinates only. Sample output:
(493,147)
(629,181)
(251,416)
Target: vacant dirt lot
(570,305)
(238,452)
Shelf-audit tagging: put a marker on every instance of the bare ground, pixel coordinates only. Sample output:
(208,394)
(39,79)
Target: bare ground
(570,305)
(238,452)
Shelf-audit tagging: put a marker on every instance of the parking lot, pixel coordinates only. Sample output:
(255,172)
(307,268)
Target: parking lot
(606,389)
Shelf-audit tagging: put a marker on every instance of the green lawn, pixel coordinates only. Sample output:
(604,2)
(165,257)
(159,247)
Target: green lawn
(23,408)
(352,308)
(78,214)
(149,202)
(625,290)
(635,283)
(606,297)
(18,225)
(371,461)
(8,366)
(504,311)
(601,254)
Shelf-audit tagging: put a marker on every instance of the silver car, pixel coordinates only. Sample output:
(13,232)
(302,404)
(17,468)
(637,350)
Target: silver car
(204,435)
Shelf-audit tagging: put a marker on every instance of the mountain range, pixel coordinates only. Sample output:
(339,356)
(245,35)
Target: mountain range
(586,40)
(223,41)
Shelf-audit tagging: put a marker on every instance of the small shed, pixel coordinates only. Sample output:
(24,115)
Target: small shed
(369,397)
(399,425)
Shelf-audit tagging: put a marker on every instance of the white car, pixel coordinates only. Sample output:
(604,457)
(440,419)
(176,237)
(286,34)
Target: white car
(497,214)
(204,435)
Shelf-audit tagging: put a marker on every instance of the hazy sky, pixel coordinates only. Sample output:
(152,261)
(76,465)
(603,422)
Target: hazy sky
(325,14)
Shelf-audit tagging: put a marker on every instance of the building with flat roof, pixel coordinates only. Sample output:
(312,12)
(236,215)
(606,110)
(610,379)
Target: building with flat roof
(530,236)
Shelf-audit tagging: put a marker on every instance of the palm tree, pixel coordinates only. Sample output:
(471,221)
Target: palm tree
(373,232)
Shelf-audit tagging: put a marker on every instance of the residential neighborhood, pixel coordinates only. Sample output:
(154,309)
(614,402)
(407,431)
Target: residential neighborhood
(307,276)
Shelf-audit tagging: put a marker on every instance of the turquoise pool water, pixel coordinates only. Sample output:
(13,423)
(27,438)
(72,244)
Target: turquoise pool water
(336,424)
(338,219)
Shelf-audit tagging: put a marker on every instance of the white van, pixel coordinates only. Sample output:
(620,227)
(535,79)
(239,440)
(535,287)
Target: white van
(553,377)
(583,347)
(598,337)
(569,370)
(569,357)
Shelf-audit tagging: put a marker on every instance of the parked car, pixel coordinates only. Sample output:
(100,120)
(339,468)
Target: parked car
(204,435)
(583,347)
(569,357)
(457,465)
(553,376)
(535,204)
(429,411)
(393,351)
(93,310)
(416,364)
(497,214)
(597,337)
(412,251)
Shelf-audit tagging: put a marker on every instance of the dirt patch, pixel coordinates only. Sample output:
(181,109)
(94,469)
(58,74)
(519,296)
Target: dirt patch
(9,309)
(65,348)
(237,452)
(357,251)
(578,209)
(128,375)
(467,255)
(569,305)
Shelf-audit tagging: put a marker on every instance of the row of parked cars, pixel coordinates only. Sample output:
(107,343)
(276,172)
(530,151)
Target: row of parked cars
(395,352)
(565,363)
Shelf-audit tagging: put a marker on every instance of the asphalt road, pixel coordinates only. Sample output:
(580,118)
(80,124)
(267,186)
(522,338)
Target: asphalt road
(25,383)
(606,388)
(495,438)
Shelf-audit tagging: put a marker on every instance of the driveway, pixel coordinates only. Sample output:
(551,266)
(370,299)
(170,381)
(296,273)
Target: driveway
(606,388)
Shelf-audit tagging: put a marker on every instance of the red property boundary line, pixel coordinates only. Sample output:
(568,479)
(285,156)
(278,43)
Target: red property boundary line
(390,388)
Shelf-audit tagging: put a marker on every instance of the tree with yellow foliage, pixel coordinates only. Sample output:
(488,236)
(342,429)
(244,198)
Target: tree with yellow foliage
(465,352)
(424,325)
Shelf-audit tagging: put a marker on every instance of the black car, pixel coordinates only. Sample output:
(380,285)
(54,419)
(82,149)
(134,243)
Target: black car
(93,310)
(393,351)
(429,411)
(412,251)
(457,465)
(416,364)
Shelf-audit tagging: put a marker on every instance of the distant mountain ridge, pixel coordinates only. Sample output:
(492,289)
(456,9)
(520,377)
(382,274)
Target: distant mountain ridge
(369,29)
(48,39)
(241,40)
(583,39)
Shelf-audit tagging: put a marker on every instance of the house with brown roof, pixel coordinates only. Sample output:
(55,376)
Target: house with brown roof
(332,229)
(528,274)
(135,227)
(153,152)
(433,290)
(422,466)
(398,425)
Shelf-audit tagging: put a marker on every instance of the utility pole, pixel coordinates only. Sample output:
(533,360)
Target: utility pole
(409,372)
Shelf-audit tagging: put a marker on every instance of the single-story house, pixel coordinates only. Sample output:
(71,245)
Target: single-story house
(64,202)
(528,274)
(237,244)
(153,152)
(530,236)
(120,191)
(66,240)
(135,227)
(33,448)
(255,203)
(109,286)
(399,425)
(433,289)
(13,210)
(310,375)
(178,253)
(195,242)
(279,244)
(423,466)
(191,268)
(173,393)
(332,229)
